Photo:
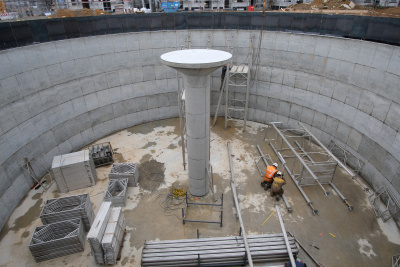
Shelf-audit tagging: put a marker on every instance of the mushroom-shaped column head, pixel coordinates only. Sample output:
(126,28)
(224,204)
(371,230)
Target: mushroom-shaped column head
(196,65)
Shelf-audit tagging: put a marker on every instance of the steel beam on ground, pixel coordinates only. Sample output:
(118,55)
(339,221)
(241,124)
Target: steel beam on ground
(292,261)
(305,250)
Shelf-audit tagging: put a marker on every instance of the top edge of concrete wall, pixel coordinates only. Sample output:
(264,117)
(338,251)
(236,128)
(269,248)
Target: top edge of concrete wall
(376,29)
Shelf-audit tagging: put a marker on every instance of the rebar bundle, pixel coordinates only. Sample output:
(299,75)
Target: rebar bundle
(96,233)
(66,208)
(220,251)
(74,171)
(116,192)
(125,170)
(57,239)
(113,236)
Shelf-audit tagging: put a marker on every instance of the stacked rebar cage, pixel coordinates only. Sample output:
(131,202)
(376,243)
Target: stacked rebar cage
(116,192)
(125,170)
(102,154)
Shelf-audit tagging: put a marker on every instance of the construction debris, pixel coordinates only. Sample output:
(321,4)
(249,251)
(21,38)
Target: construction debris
(67,208)
(116,192)
(125,170)
(57,240)
(113,236)
(224,251)
(96,233)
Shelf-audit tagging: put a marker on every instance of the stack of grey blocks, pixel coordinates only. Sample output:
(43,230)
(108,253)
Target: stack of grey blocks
(57,239)
(67,208)
(96,233)
(125,170)
(74,171)
(113,236)
(116,192)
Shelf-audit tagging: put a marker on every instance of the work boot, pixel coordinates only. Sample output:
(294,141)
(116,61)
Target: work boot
(277,198)
(265,188)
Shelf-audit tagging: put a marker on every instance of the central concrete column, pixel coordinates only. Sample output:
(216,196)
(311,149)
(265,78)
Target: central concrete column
(196,65)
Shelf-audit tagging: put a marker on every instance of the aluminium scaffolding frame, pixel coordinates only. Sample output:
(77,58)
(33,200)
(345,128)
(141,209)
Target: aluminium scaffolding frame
(37,181)
(311,172)
(384,203)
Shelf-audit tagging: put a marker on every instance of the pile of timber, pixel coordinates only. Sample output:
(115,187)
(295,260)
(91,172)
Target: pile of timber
(228,251)
(74,171)
(57,239)
(113,236)
(67,208)
(116,192)
(96,233)
(125,170)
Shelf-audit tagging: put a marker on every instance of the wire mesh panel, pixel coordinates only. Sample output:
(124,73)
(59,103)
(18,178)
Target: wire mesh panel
(116,192)
(384,203)
(324,172)
(57,240)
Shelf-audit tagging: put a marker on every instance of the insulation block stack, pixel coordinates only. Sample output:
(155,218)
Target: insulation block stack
(116,192)
(113,236)
(96,233)
(102,154)
(74,171)
(67,208)
(57,239)
(223,251)
(125,170)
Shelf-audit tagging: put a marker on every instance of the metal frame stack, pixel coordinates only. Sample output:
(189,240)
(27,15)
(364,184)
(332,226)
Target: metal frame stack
(116,192)
(66,208)
(125,170)
(185,210)
(96,233)
(219,251)
(102,154)
(74,171)
(346,156)
(113,236)
(384,203)
(57,240)
(311,172)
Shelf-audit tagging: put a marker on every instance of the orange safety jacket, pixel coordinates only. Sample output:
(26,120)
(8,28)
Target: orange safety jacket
(269,174)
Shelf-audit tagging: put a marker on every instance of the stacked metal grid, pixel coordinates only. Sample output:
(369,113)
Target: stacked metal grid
(227,251)
(113,236)
(116,192)
(125,170)
(74,171)
(96,233)
(102,154)
(57,239)
(66,208)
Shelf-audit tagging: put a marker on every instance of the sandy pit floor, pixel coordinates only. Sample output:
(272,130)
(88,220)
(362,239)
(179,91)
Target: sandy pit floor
(360,238)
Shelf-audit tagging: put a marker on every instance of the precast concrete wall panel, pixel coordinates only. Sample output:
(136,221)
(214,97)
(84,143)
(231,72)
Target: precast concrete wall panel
(76,85)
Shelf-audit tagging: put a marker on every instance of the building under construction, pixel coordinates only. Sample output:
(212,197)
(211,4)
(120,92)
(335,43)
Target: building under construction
(123,144)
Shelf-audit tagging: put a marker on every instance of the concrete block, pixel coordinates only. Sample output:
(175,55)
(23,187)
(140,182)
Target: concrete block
(107,45)
(282,41)
(92,46)
(380,108)
(388,90)
(298,96)
(18,60)
(5,148)
(350,52)
(76,142)
(104,97)
(119,109)
(342,132)
(121,123)
(10,88)
(132,119)
(340,91)
(24,109)
(48,141)
(123,60)
(72,127)
(295,43)
(354,139)
(260,116)
(332,68)
(79,49)
(307,116)
(353,96)
(132,41)
(366,53)
(386,137)
(127,92)
(5,66)
(391,168)
(119,43)
(157,39)
(349,114)
(5,181)
(163,100)
(100,82)
(41,123)
(382,57)
(331,125)
(323,104)
(15,192)
(148,73)
(374,80)
(50,53)
(124,77)
(142,117)
(136,75)
(360,75)
(367,102)
(27,84)
(115,95)
(373,152)
(87,85)
(55,74)
(345,71)
(395,148)
(302,81)
(91,101)
(83,68)
(64,50)
(336,48)
(319,120)
(75,90)
(152,101)
(277,75)
(109,62)
(289,78)
(313,83)
(360,121)
(140,103)
(308,45)
(112,79)
(48,98)
(66,111)
(327,87)
(393,115)
(53,115)
(322,46)
(41,78)
(394,62)
(7,119)
(60,133)
(295,112)
(69,70)
(65,147)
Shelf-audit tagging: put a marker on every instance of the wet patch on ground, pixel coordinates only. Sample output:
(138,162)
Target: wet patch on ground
(36,196)
(149,144)
(151,175)
(119,158)
(172,146)
(145,158)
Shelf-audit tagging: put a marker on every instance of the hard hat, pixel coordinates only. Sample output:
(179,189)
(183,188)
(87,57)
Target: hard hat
(279,173)
(275,165)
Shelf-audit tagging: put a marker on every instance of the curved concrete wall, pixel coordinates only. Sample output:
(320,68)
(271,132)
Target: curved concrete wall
(56,97)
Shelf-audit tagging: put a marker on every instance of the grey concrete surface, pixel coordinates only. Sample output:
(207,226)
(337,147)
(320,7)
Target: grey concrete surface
(57,97)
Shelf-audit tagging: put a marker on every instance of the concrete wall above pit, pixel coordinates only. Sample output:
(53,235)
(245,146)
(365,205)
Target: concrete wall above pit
(57,97)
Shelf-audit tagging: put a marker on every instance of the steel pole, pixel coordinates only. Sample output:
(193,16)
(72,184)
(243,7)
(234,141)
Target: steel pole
(285,236)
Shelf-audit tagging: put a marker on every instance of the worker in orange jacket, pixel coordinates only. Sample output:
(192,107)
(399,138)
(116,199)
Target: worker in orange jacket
(270,173)
(277,184)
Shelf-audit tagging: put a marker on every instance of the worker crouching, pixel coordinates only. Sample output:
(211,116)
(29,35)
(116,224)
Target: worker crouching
(270,173)
(277,184)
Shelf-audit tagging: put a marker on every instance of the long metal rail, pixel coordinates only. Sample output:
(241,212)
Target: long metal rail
(292,261)
(250,260)
(329,152)
(181,120)
(305,250)
(300,159)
